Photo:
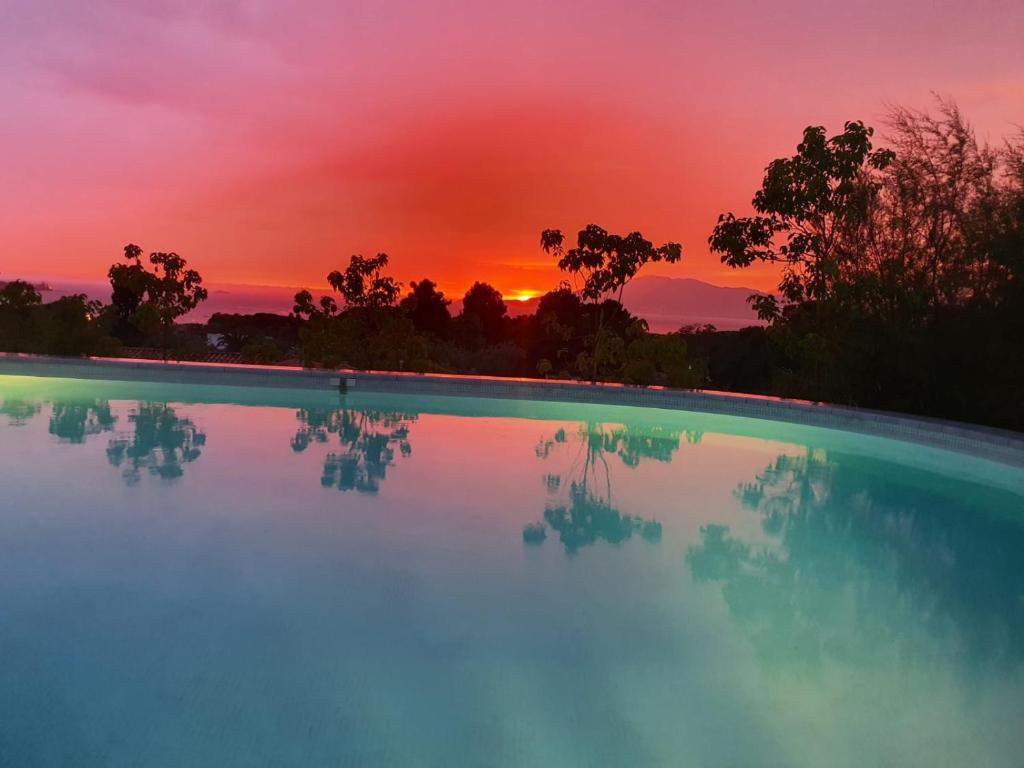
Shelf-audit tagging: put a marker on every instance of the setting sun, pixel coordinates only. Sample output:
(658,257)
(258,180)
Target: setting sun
(525,295)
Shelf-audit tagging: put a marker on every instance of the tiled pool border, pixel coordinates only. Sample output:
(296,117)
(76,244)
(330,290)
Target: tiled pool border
(993,444)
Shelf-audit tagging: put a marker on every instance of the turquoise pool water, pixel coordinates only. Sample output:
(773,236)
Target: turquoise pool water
(201,576)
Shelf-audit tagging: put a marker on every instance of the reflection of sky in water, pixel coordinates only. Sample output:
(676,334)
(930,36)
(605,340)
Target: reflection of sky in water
(306,580)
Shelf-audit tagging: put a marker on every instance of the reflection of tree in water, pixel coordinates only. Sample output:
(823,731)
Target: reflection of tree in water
(18,411)
(368,439)
(853,561)
(586,513)
(74,421)
(70,421)
(160,443)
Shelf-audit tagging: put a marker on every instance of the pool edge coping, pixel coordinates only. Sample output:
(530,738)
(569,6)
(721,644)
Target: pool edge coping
(999,445)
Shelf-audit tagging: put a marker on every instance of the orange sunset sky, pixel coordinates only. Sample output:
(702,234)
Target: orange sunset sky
(266,141)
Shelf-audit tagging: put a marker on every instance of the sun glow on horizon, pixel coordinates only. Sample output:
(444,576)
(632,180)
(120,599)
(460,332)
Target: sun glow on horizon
(524,295)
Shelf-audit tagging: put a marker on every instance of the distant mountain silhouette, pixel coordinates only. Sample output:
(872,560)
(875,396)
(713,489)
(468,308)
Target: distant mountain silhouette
(667,303)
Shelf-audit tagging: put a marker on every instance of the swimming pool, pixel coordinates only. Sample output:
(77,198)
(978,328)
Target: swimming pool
(198,575)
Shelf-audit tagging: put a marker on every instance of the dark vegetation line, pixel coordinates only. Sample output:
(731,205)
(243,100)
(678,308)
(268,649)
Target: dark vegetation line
(901,288)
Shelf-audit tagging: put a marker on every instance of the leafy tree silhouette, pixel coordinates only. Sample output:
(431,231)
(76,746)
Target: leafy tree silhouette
(427,308)
(369,441)
(369,332)
(602,264)
(18,300)
(853,559)
(19,296)
(900,269)
(147,301)
(805,205)
(161,443)
(588,515)
(363,283)
(484,307)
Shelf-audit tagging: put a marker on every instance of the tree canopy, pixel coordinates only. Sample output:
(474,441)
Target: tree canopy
(364,284)
(807,203)
(901,268)
(427,307)
(146,302)
(603,263)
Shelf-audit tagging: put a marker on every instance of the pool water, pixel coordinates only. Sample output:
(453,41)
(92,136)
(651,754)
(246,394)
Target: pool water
(203,576)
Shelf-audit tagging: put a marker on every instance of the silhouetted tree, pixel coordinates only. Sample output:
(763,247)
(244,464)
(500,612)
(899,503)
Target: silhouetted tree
(484,306)
(900,266)
(363,283)
(70,325)
(129,283)
(806,205)
(427,308)
(19,296)
(18,300)
(602,264)
(150,301)
(558,329)
(369,332)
